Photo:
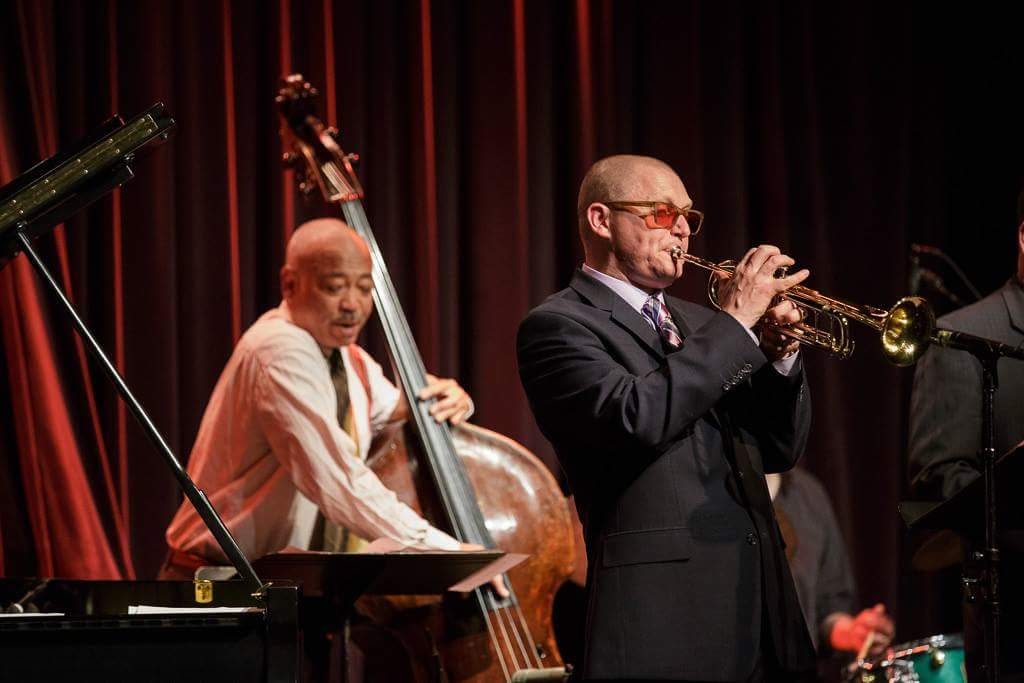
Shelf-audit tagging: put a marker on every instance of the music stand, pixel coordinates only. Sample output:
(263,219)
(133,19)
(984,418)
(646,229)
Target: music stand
(332,582)
(967,513)
(964,511)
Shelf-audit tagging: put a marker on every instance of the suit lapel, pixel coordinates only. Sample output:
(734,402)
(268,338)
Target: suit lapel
(626,316)
(622,313)
(677,315)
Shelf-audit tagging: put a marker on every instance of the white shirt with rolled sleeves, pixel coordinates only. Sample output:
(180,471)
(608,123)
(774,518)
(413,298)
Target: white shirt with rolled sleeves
(270,451)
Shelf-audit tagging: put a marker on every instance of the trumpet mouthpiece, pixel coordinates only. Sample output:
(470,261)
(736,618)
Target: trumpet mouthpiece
(676,252)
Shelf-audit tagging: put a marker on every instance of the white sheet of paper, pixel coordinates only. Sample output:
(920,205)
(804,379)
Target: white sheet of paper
(158,609)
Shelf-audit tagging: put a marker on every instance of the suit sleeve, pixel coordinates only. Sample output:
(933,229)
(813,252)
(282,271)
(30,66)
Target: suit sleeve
(945,423)
(776,410)
(579,390)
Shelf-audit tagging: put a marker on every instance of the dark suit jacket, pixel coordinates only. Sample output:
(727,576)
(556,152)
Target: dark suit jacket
(665,455)
(945,408)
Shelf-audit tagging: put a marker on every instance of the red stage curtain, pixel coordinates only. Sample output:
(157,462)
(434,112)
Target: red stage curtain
(842,132)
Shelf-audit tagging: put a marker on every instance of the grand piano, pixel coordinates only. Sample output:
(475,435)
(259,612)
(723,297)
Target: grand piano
(83,630)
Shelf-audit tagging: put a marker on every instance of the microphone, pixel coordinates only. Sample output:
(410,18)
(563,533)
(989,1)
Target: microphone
(932,279)
(979,346)
(916,250)
(914,278)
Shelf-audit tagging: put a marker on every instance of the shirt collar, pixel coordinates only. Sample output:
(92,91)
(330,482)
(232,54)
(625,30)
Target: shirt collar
(630,293)
(284,312)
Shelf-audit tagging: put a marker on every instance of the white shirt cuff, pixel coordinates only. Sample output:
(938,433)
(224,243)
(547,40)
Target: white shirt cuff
(784,366)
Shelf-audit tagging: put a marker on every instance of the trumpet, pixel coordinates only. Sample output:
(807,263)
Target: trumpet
(906,329)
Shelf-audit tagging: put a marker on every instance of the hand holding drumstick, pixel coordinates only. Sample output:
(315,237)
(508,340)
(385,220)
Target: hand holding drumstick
(870,632)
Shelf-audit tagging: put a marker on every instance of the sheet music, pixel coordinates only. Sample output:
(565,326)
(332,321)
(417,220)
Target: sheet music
(159,609)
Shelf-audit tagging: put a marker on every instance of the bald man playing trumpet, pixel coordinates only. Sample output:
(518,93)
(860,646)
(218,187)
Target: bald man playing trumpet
(665,416)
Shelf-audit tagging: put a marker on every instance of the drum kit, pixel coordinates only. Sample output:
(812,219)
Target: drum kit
(938,659)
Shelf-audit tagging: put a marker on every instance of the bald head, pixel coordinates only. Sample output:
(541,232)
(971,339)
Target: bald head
(327,281)
(321,238)
(619,178)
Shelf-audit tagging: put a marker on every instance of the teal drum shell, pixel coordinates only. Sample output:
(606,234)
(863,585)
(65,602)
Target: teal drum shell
(938,659)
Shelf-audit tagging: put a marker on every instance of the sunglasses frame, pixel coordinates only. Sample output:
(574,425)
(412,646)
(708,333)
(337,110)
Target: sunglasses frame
(652,207)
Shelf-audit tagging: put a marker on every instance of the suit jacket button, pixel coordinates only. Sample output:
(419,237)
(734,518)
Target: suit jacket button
(751,539)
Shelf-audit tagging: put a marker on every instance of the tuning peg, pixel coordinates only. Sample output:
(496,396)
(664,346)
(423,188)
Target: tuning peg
(290,159)
(306,188)
(352,158)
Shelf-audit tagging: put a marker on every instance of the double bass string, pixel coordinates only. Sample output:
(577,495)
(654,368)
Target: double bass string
(481,601)
(504,633)
(501,614)
(526,630)
(529,650)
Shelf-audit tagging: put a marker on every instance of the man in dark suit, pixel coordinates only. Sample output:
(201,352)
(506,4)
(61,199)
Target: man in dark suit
(945,436)
(665,416)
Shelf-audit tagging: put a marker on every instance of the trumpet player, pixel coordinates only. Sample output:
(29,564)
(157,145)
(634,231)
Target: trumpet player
(665,416)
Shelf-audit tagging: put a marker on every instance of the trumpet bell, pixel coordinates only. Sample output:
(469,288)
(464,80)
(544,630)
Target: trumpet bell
(907,330)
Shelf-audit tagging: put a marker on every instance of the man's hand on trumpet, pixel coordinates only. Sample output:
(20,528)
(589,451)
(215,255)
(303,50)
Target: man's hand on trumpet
(774,342)
(749,293)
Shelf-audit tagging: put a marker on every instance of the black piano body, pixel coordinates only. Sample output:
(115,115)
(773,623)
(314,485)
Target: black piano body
(95,638)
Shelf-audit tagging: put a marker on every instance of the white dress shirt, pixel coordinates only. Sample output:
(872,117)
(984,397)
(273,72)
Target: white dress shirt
(270,452)
(636,298)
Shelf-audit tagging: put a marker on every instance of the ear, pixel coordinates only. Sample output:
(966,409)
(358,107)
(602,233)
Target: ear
(1020,238)
(598,220)
(288,282)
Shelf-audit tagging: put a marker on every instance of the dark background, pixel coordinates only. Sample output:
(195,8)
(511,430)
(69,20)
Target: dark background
(841,131)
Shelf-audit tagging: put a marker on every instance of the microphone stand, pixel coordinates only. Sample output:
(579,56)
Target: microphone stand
(990,554)
(988,557)
(988,352)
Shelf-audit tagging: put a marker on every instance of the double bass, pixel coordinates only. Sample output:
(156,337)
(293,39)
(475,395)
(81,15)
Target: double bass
(481,486)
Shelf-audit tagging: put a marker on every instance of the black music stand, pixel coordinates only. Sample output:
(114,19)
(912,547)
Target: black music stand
(332,582)
(964,511)
(967,513)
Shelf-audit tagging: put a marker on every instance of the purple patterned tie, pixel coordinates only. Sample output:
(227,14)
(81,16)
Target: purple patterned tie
(658,315)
